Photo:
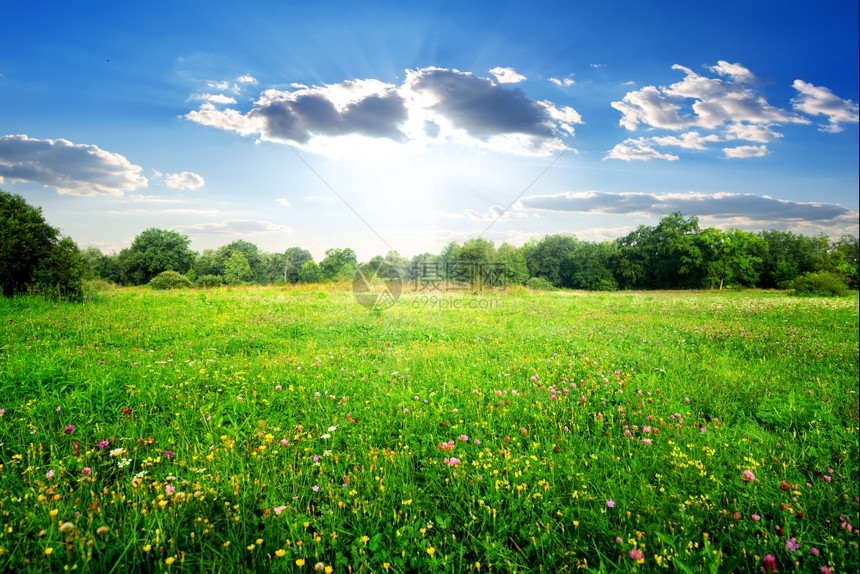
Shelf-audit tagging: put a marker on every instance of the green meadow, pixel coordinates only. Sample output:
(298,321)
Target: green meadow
(291,430)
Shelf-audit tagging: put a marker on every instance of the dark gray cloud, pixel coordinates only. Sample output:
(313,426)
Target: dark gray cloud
(717,205)
(480,106)
(72,169)
(439,104)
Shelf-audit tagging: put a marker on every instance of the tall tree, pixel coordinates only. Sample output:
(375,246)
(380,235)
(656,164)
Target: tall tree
(33,255)
(733,256)
(154,251)
(294,258)
(338,265)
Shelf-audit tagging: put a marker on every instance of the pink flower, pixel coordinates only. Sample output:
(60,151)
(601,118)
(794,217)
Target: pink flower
(646,441)
(103,444)
(284,442)
(87,471)
(169,454)
(279,509)
(755,517)
(769,564)
(315,488)
(826,570)
(791,544)
(463,438)
(476,442)
(69,429)
(453,461)
(636,555)
(50,474)
(610,503)
(814,551)
(278,387)
(747,476)
(618,540)
(169,489)
(826,478)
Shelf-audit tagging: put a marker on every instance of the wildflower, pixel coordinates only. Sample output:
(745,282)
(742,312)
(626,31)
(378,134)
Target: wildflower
(610,503)
(48,551)
(325,436)
(618,540)
(791,544)
(300,562)
(116,452)
(784,486)
(826,570)
(279,509)
(453,461)
(365,539)
(686,399)
(169,454)
(169,560)
(814,551)
(755,517)
(278,388)
(315,488)
(431,551)
(826,478)
(69,429)
(103,444)
(646,441)
(747,476)
(636,555)
(66,526)
(463,438)
(169,489)
(319,567)
(50,474)
(284,442)
(476,442)
(87,471)
(769,564)
(102,530)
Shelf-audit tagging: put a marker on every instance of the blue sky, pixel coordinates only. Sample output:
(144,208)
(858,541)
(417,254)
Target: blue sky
(406,125)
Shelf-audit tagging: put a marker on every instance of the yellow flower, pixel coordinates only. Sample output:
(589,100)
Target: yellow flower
(386,565)
(431,550)
(53,512)
(48,551)
(280,552)
(147,548)
(259,541)
(329,570)
(169,560)
(251,547)
(300,562)
(365,539)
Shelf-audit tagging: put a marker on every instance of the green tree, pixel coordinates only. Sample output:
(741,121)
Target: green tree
(310,272)
(206,263)
(513,264)
(251,253)
(33,255)
(789,256)
(237,269)
(154,251)
(338,265)
(545,258)
(733,256)
(294,258)
(588,267)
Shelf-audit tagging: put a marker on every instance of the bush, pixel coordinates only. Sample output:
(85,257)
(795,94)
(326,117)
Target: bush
(821,284)
(540,284)
(170,280)
(208,281)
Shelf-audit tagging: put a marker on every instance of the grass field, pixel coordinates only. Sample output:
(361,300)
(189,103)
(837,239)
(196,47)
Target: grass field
(291,430)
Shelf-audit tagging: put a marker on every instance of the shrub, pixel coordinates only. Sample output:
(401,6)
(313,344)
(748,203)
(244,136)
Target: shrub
(170,280)
(208,281)
(821,284)
(540,284)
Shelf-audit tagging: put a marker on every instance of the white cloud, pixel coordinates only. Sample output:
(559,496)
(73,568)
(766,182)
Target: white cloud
(729,106)
(235,227)
(715,205)
(432,105)
(746,151)
(563,82)
(282,201)
(214,98)
(507,75)
(820,101)
(184,180)
(638,149)
(138,198)
(71,169)
(246,79)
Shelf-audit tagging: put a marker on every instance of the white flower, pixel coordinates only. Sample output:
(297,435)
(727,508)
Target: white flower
(116,452)
(326,436)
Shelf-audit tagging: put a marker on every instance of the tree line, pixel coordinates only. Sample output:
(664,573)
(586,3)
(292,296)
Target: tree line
(674,254)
